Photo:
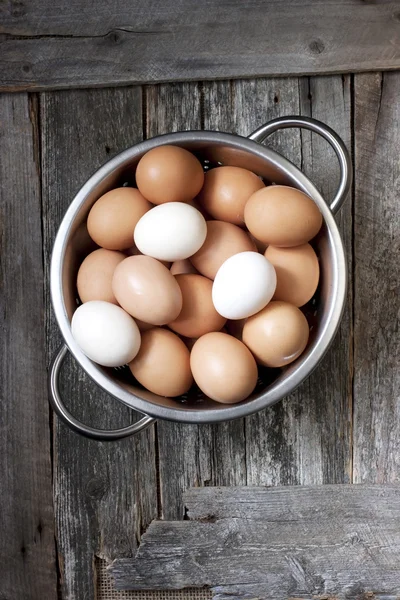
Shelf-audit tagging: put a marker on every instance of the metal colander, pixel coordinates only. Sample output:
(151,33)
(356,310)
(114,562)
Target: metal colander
(72,244)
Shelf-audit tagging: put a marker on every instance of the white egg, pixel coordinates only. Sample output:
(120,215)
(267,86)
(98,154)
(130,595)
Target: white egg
(243,285)
(171,231)
(105,333)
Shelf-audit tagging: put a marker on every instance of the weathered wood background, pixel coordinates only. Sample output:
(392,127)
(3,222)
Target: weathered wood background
(57,44)
(341,426)
(329,541)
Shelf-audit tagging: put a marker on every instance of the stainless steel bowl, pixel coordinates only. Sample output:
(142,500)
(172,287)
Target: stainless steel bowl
(73,243)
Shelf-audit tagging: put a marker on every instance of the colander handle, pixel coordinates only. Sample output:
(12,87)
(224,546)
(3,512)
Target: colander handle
(104,435)
(346,170)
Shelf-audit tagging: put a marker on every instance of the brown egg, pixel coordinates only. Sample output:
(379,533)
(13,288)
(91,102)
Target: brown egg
(190,342)
(182,267)
(112,219)
(282,216)
(198,315)
(134,251)
(169,174)
(277,335)
(223,368)
(94,281)
(297,273)
(163,363)
(223,240)
(226,191)
(147,290)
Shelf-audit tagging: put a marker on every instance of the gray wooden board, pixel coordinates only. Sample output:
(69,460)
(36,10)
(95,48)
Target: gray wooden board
(309,504)
(46,43)
(105,494)
(377,279)
(297,542)
(27,547)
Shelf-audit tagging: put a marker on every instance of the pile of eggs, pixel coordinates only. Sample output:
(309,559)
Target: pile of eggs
(198,278)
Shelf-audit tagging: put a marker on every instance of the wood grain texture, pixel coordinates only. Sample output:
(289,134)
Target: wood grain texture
(295,542)
(330,387)
(52,44)
(306,438)
(293,503)
(105,494)
(190,455)
(27,546)
(377,277)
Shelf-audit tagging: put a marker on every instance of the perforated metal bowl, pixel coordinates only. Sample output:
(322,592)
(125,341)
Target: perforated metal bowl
(73,243)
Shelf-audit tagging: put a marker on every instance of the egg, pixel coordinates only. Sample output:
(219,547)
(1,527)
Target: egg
(105,333)
(112,219)
(297,273)
(163,363)
(147,290)
(226,191)
(171,232)
(223,241)
(198,315)
(223,368)
(277,335)
(282,216)
(182,267)
(133,251)
(94,281)
(169,174)
(243,285)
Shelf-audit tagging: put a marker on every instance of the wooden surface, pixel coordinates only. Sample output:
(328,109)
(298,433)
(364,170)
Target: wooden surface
(27,547)
(377,279)
(54,44)
(301,542)
(341,426)
(104,497)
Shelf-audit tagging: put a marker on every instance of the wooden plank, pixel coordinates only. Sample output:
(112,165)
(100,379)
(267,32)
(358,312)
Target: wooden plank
(27,546)
(52,44)
(105,494)
(340,541)
(242,106)
(377,276)
(296,441)
(292,503)
(191,454)
(328,393)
